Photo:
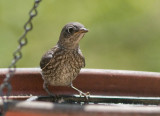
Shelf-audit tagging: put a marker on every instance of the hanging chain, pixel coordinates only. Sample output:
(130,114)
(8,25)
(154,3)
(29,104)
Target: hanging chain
(17,55)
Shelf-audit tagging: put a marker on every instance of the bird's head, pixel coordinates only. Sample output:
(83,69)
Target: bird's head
(71,34)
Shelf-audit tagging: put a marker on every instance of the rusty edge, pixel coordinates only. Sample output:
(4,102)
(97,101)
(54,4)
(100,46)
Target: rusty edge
(28,81)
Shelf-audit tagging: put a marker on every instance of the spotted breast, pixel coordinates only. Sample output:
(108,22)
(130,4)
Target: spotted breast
(63,66)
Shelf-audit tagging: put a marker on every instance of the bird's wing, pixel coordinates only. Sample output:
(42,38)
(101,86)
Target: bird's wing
(45,60)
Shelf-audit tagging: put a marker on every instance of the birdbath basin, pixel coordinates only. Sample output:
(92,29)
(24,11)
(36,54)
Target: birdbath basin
(109,90)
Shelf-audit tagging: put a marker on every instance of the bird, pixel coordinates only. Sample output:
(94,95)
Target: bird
(61,64)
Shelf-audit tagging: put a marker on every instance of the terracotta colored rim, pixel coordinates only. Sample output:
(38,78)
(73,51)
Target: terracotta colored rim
(50,109)
(28,81)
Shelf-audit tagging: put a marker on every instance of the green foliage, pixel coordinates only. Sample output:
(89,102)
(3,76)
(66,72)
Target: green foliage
(123,34)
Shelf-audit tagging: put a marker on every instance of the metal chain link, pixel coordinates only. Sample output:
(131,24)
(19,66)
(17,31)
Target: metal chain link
(17,55)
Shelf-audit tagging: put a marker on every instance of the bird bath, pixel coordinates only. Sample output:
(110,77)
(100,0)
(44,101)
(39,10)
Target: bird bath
(108,88)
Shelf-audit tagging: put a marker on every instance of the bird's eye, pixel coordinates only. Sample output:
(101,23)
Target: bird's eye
(70,30)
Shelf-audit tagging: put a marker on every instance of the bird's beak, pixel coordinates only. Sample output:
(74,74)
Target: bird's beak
(83,30)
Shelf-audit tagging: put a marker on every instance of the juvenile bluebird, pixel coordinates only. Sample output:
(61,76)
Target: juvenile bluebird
(61,64)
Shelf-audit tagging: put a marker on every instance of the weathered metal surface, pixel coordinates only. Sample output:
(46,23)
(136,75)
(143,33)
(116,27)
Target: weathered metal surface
(48,109)
(96,81)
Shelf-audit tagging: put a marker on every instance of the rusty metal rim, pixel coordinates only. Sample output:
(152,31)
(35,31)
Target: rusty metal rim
(97,81)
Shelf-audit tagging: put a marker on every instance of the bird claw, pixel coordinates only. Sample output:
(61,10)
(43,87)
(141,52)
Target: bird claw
(87,95)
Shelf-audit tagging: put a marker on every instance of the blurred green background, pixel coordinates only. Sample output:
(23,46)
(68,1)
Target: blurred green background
(123,34)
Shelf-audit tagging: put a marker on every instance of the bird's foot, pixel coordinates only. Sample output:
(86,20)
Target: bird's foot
(80,92)
(87,95)
(56,97)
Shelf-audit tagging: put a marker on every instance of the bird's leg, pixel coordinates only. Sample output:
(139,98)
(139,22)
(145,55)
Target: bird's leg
(80,92)
(45,87)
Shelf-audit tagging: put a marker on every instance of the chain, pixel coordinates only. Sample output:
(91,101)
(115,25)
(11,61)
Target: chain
(17,55)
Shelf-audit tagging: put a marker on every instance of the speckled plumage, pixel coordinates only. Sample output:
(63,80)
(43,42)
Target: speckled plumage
(63,67)
(62,64)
